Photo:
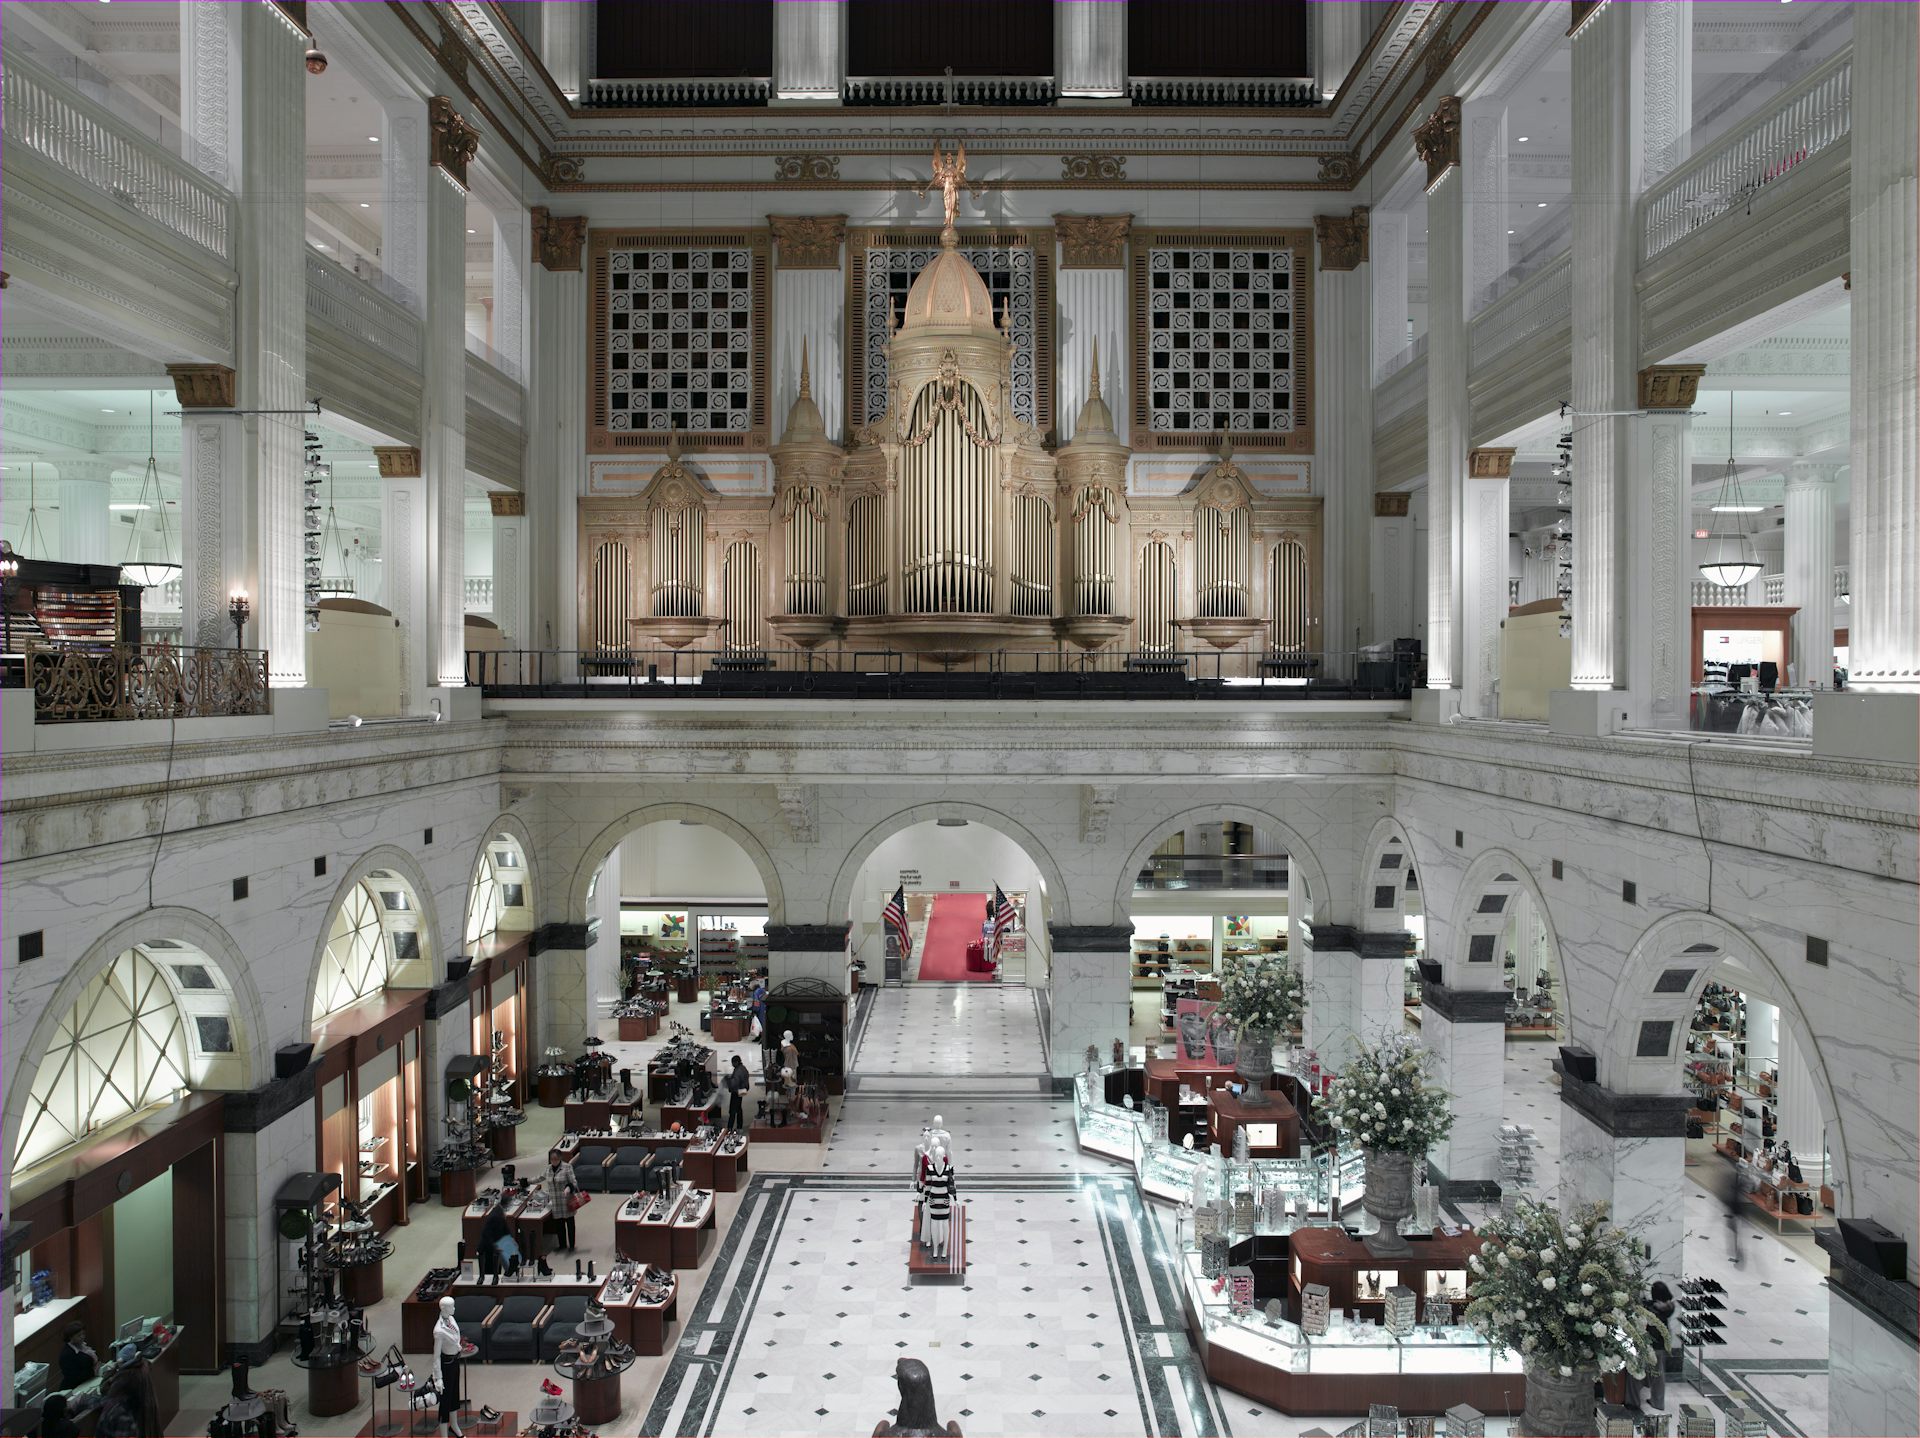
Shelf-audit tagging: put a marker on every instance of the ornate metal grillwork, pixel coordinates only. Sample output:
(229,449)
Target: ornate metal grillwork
(146,681)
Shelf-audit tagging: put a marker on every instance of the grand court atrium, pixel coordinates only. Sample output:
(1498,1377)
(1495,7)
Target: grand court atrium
(1078,718)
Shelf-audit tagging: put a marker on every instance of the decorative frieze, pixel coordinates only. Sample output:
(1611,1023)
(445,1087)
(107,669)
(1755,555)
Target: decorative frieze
(202,386)
(1670,386)
(1343,239)
(1341,169)
(397,461)
(558,240)
(559,170)
(1436,139)
(1395,504)
(807,166)
(454,141)
(1093,242)
(1490,463)
(507,505)
(808,242)
(1096,167)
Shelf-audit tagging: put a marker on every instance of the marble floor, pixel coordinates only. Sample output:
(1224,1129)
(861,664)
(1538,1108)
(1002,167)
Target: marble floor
(1066,1321)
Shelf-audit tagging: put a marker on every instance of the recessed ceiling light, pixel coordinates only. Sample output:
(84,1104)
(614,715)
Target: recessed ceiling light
(126,508)
(375,139)
(365,206)
(1541,205)
(1785,412)
(106,411)
(1509,231)
(473,232)
(1525,138)
(1738,508)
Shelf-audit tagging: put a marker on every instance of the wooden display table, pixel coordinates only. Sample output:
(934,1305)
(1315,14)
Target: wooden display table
(649,1239)
(729,1028)
(788,1132)
(635,1028)
(921,1264)
(526,1214)
(364,1284)
(707,1167)
(552,1089)
(695,1228)
(1165,1076)
(1328,1255)
(691,1116)
(630,1138)
(504,1141)
(648,1323)
(1230,1113)
(598,1112)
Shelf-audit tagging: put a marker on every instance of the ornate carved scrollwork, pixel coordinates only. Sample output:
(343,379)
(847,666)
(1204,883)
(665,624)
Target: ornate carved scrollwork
(808,165)
(455,142)
(808,242)
(1670,386)
(1490,464)
(1093,242)
(558,239)
(1343,239)
(1436,139)
(1100,166)
(947,397)
(397,461)
(507,506)
(202,386)
(1339,169)
(146,681)
(558,170)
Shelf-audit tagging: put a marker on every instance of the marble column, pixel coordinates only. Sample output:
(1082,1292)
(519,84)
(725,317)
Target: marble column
(1390,569)
(808,951)
(565,1018)
(404,172)
(1090,49)
(1438,140)
(1344,430)
(1884,394)
(270,1137)
(213,502)
(1873,1328)
(1465,1030)
(1629,1152)
(443,426)
(510,258)
(1340,34)
(1387,249)
(1091,290)
(510,555)
(1537,574)
(1483,148)
(86,524)
(1089,990)
(1660,557)
(602,960)
(404,519)
(556,428)
(1483,574)
(809,304)
(270,332)
(13,1247)
(1356,989)
(1603,340)
(447,1034)
(209,100)
(809,51)
(1665,77)
(1809,571)
(566,46)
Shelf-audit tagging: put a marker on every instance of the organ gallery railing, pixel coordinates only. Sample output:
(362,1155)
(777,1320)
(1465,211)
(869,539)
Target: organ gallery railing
(73,684)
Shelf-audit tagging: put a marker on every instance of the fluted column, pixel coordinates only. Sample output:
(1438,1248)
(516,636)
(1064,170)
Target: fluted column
(1484,564)
(1340,33)
(809,305)
(213,501)
(1439,142)
(510,259)
(209,99)
(556,427)
(86,525)
(405,526)
(1603,349)
(1660,558)
(443,427)
(1809,571)
(1483,147)
(1344,431)
(404,172)
(510,567)
(1090,49)
(1387,246)
(270,347)
(1884,525)
(809,51)
(566,46)
(1091,286)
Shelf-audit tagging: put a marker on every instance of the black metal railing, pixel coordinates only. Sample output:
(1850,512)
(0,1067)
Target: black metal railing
(1176,872)
(79,683)
(856,673)
(1191,93)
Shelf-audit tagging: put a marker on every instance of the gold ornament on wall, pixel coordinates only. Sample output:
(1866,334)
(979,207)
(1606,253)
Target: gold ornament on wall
(557,170)
(808,242)
(1341,169)
(807,166)
(1097,167)
(455,142)
(1093,242)
(558,240)
(397,461)
(507,506)
(202,386)
(1343,239)
(1670,386)
(1436,139)
(1490,464)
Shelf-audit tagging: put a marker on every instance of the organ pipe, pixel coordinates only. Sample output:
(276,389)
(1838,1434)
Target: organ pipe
(1288,586)
(946,478)
(1095,527)
(1032,557)
(1221,544)
(866,557)
(1156,596)
(742,605)
(611,586)
(806,548)
(679,539)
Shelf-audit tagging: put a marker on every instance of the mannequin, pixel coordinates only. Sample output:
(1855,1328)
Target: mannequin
(446,1348)
(936,1194)
(789,1052)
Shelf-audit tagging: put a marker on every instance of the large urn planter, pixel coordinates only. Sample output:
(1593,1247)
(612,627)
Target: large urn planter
(1255,1063)
(1389,1198)
(1558,1405)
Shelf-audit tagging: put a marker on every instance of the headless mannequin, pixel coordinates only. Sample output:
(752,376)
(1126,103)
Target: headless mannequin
(446,1350)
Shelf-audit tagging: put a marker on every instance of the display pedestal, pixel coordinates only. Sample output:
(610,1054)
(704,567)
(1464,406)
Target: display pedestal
(921,1264)
(638,1028)
(597,1400)
(333,1384)
(504,1141)
(729,1029)
(552,1089)
(364,1284)
(686,988)
(458,1186)
(1231,1112)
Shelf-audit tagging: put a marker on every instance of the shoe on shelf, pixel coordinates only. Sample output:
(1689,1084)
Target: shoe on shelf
(550,1388)
(489,1414)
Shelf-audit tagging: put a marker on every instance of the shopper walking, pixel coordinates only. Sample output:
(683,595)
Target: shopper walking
(1729,1195)
(1660,1304)
(561,1186)
(738,1081)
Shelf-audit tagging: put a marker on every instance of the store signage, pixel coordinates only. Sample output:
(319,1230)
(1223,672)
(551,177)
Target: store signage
(909,877)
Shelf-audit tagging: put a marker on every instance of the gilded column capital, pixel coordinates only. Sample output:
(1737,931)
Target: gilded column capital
(1490,464)
(1343,239)
(455,142)
(1093,242)
(202,386)
(1436,139)
(808,242)
(397,461)
(1670,386)
(1394,504)
(507,505)
(557,239)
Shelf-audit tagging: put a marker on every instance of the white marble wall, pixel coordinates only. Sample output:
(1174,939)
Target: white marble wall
(566,1014)
(444,1038)
(257,1165)
(1639,1179)
(1091,1003)
(1873,1387)
(1467,1063)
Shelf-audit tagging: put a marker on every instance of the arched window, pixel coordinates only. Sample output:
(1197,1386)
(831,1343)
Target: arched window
(498,899)
(126,1045)
(374,941)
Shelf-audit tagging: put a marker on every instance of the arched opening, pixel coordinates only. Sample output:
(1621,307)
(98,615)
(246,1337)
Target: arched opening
(500,899)
(500,918)
(376,940)
(950,900)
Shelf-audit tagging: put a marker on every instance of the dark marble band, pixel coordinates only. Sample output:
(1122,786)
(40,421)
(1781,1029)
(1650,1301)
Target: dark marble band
(445,998)
(1463,1190)
(1091,938)
(1894,1304)
(807,938)
(1345,939)
(560,936)
(1465,1006)
(1626,1115)
(259,1109)
(16,1240)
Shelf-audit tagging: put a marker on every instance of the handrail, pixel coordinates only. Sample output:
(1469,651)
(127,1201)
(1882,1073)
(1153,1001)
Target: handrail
(71,132)
(337,296)
(1533,306)
(1194,92)
(77,683)
(717,91)
(949,90)
(1396,362)
(1802,121)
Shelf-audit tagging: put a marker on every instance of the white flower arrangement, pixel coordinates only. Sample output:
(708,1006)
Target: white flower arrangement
(1381,1100)
(1262,993)
(1595,1271)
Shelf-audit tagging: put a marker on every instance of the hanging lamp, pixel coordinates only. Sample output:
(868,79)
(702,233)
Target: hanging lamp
(150,572)
(33,539)
(1731,562)
(337,584)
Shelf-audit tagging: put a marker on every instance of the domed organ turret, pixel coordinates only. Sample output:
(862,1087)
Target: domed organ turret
(807,471)
(1093,498)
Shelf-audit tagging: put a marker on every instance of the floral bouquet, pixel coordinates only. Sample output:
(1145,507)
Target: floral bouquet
(1563,1293)
(1261,993)
(1382,1101)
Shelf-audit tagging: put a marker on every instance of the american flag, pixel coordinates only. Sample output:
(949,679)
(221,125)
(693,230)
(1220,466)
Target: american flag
(894,916)
(1000,917)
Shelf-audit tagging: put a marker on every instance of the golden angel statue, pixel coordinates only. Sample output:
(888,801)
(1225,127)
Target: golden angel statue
(949,174)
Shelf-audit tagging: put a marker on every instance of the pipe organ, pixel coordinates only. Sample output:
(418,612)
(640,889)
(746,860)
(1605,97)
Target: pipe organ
(947,528)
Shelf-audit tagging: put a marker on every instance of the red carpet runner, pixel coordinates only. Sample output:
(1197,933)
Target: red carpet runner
(954,923)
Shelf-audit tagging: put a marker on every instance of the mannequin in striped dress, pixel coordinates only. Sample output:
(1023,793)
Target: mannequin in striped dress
(936,1196)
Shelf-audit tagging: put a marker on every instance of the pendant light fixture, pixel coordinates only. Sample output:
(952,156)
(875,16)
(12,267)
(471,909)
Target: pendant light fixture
(1731,562)
(33,539)
(150,572)
(336,580)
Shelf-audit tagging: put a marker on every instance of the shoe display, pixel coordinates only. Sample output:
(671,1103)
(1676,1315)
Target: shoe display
(550,1388)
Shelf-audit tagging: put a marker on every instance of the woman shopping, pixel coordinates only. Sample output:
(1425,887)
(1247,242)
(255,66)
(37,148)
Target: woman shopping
(561,1187)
